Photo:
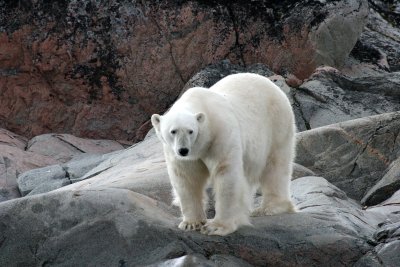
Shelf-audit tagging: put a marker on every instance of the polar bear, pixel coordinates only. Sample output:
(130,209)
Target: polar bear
(237,135)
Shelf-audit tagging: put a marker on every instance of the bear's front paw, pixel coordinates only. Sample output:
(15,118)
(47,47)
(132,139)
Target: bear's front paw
(217,228)
(190,226)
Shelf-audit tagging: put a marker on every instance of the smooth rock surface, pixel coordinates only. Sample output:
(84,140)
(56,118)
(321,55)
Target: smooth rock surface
(384,188)
(44,177)
(386,237)
(116,224)
(330,96)
(14,160)
(63,147)
(353,155)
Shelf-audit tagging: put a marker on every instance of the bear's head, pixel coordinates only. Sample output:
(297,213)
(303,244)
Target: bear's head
(180,131)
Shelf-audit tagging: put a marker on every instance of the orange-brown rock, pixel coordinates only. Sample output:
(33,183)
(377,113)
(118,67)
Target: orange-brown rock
(99,69)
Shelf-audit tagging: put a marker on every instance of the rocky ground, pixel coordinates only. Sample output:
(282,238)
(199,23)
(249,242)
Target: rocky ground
(73,201)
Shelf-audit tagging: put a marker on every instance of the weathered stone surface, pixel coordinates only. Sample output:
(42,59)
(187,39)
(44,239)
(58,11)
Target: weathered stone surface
(301,171)
(330,96)
(82,164)
(116,224)
(382,190)
(122,214)
(379,43)
(386,252)
(352,155)
(14,160)
(211,74)
(99,69)
(50,177)
(63,147)
(11,139)
(17,156)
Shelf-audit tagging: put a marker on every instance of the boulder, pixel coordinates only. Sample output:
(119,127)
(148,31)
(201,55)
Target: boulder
(330,96)
(385,187)
(14,160)
(379,43)
(99,69)
(43,179)
(63,147)
(386,238)
(24,159)
(116,224)
(122,214)
(353,155)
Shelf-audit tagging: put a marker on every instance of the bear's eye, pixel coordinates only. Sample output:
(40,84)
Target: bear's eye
(173,132)
(190,131)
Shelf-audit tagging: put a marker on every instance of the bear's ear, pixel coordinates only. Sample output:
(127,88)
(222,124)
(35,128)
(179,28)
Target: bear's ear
(200,117)
(155,120)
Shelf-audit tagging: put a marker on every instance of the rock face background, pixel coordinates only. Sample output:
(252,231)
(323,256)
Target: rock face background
(99,69)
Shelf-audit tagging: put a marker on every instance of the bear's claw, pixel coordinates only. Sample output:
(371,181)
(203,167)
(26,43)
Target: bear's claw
(191,226)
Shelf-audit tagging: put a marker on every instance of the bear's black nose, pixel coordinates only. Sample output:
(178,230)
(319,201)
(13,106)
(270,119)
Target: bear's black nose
(183,151)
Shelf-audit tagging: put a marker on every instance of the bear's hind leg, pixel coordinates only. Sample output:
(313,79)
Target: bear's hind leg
(275,186)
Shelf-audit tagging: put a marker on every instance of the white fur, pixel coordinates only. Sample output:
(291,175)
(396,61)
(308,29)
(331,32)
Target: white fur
(239,134)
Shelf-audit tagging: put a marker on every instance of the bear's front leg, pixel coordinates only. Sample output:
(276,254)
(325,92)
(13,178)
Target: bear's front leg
(232,202)
(190,195)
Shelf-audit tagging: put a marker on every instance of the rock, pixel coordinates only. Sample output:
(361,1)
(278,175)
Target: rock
(82,164)
(43,179)
(379,43)
(64,147)
(49,178)
(18,156)
(301,171)
(211,74)
(382,190)
(330,96)
(121,214)
(100,69)
(12,139)
(141,231)
(14,160)
(352,155)
(386,253)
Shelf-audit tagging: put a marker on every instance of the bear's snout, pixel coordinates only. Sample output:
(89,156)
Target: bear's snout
(183,151)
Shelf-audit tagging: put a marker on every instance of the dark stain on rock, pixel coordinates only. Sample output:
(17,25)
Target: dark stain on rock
(37,208)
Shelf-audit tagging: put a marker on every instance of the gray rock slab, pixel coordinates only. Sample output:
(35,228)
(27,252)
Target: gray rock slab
(301,171)
(81,164)
(386,252)
(353,155)
(107,226)
(122,214)
(384,188)
(329,97)
(46,178)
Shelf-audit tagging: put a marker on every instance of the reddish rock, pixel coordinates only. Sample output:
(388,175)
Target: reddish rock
(99,69)
(14,160)
(63,147)
(17,155)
